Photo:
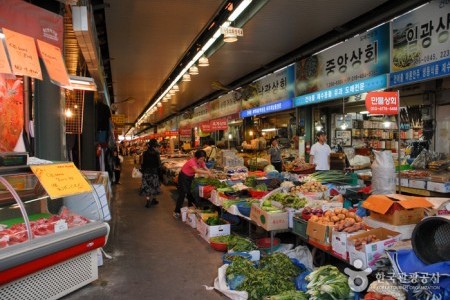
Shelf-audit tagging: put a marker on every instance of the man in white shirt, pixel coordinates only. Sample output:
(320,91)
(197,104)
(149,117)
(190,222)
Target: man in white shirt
(320,153)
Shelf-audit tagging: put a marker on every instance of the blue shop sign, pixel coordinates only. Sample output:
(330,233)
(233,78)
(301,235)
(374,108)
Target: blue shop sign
(352,88)
(420,73)
(268,108)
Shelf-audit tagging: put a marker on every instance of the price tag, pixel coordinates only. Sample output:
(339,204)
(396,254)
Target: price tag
(61,225)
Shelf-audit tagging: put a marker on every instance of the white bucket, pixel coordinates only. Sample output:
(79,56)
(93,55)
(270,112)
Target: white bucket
(184,211)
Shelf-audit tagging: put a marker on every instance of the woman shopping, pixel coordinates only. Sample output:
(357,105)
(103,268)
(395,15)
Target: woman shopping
(151,168)
(195,165)
(275,155)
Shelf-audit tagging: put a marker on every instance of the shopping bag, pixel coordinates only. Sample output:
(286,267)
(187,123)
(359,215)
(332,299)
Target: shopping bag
(136,173)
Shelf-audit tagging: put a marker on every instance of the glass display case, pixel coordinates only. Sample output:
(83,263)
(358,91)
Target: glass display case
(48,246)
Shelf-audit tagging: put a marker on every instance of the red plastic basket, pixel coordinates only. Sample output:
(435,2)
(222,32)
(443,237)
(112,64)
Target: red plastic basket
(257,194)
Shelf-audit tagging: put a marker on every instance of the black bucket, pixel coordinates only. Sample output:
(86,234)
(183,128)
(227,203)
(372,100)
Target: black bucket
(431,240)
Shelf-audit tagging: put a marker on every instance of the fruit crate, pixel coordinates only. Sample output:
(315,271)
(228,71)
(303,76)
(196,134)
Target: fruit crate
(299,227)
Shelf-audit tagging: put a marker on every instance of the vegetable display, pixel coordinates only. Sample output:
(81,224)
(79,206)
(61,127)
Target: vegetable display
(341,219)
(332,176)
(362,241)
(288,200)
(327,283)
(308,187)
(214,221)
(290,295)
(273,277)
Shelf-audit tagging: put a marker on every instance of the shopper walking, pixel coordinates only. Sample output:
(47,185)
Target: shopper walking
(195,165)
(117,166)
(275,155)
(320,152)
(151,168)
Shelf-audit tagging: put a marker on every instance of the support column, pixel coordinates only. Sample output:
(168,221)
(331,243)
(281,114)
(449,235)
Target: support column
(49,119)
(88,149)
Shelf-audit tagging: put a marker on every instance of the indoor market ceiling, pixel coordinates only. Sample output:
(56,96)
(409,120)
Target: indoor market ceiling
(147,39)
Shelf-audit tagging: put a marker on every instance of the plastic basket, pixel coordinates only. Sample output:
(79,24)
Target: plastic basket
(264,245)
(431,240)
(244,208)
(257,194)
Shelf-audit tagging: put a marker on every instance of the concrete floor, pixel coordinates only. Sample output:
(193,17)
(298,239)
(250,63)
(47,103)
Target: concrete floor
(154,256)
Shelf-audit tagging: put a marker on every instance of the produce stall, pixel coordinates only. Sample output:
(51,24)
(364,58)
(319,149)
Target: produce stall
(46,249)
(320,210)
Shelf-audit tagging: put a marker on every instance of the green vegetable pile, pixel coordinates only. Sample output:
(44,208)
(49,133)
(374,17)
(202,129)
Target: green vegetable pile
(327,283)
(208,181)
(250,181)
(290,295)
(289,200)
(274,276)
(332,176)
(235,243)
(261,187)
(214,221)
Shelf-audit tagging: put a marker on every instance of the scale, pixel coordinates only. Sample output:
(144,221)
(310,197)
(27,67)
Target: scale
(8,159)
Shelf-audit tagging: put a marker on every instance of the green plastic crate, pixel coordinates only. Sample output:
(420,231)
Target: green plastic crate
(299,227)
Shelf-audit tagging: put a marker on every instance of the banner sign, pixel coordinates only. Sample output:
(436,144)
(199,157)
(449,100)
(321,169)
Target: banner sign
(385,103)
(201,113)
(268,108)
(271,88)
(421,44)
(185,132)
(205,126)
(219,124)
(353,88)
(359,58)
(171,133)
(54,62)
(118,119)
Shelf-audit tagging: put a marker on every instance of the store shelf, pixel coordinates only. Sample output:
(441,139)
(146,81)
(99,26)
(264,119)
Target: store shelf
(420,192)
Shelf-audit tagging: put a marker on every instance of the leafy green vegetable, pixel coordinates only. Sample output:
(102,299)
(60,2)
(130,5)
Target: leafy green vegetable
(250,181)
(289,200)
(214,221)
(327,283)
(261,187)
(220,239)
(280,263)
(290,295)
(240,244)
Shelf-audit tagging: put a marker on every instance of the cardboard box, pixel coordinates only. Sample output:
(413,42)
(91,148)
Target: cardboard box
(418,184)
(207,232)
(370,253)
(269,221)
(441,187)
(404,230)
(191,220)
(339,243)
(396,209)
(204,215)
(319,233)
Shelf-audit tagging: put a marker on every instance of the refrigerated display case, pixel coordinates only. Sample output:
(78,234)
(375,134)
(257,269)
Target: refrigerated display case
(47,250)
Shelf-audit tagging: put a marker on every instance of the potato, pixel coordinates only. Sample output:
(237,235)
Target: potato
(314,218)
(341,216)
(335,219)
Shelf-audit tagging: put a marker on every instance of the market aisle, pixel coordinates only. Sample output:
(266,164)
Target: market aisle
(154,255)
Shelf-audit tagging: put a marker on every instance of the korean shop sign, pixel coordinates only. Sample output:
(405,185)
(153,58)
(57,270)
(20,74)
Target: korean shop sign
(385,103)
(359,58)
(421,44)
(219,124)
(229,104)
(352,88)
(271,88)
(268,108)
(201,113)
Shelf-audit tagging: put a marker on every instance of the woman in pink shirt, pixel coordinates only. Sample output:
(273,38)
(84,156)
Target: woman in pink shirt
(195,165)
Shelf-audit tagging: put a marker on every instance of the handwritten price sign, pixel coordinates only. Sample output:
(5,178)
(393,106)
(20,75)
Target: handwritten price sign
(382,103)
(60,180)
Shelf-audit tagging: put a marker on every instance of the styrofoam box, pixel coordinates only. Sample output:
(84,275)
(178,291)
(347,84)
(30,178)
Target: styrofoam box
(417,184)
(441,187)
(403,182)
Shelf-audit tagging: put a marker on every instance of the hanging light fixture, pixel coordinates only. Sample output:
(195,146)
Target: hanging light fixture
(164,99)
(186,77)
(193,70)
(230,37)
(159,104)
(172,92)
(203,61)
(176,88)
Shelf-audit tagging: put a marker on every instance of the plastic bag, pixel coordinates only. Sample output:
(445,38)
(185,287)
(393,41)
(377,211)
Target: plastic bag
(220,284)
(136,173)
(303,255)
(383,173)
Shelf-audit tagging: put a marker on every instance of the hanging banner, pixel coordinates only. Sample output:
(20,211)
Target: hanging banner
(229,104)
(33,21)
(118,119)
(271,88)
(362,57)
(185,132)
(353,88)
(53,60)
(201,113)
(267,109)
(421,44)
(385,103)
(205,127)
(219,124)
(5,68)
(23,54)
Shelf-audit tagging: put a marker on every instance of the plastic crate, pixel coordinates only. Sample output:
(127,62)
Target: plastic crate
(299,227)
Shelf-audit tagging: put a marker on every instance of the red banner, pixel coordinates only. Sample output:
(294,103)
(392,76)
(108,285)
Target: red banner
(382,103)
(185,132)
(170,133)
(219,124)
(205,126)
